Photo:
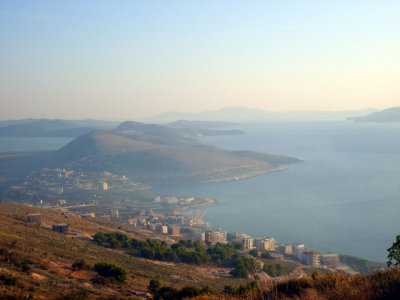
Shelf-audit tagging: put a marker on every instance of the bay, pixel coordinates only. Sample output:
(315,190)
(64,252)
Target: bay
(18,144)
(344,197)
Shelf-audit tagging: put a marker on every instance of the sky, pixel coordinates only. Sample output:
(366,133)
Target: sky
(134,59)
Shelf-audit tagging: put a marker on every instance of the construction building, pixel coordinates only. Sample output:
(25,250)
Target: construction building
(62,228)
(35,219)
(311,258)
(330,260)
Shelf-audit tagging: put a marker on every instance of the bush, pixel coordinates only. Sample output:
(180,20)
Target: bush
(253,252)
(110,271)
(8,280)
(81,295)
(266,255)
(79,265)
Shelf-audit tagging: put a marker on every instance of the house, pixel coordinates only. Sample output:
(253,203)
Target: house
(35,219)
(62,228)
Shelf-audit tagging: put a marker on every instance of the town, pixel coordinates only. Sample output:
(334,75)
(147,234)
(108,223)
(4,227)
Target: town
(108,197)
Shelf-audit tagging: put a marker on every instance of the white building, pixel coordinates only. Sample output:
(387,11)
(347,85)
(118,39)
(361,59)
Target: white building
(298,249)
(114,213)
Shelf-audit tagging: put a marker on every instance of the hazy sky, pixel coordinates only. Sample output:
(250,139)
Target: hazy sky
(130,59)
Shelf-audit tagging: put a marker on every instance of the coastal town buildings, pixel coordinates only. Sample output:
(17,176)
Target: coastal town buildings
(248,243)
(173,230)
(298,250)
(103,186)
(263,244)
(285,249)
(330,260)
(235,236)
(114,213)
(199,236)
(216,236)
(88,215)
(162,228)
(311,258)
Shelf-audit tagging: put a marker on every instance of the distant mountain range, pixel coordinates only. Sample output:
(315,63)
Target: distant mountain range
(179,129)
(243,114)
(52,128)
(67,128)
(384,116)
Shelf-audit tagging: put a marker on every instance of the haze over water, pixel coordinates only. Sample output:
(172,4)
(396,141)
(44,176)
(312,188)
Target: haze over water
(343,198)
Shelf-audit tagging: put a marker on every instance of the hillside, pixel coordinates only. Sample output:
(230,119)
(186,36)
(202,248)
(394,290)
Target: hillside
(39,263)
(157,156)
(244,114)
(384,116)
(41,260)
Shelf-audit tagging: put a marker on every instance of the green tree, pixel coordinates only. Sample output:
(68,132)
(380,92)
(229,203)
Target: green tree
(270,270)
(229,290)
(278,269)
(154,288)
(253,252)
(394,253)
(240,271)
(266,255)
(169,293)
(188,292)
(110,271)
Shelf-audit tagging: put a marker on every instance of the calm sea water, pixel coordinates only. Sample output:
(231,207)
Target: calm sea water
(344,197)
(15,144)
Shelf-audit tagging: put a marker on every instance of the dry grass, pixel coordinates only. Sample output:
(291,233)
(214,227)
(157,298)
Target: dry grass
(50,256)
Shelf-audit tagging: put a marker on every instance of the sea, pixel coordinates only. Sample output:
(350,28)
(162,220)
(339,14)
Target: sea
(343,197)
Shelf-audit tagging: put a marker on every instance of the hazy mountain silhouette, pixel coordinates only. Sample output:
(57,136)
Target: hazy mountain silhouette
(243,114)
(387,115)
(158,154)
(52,128)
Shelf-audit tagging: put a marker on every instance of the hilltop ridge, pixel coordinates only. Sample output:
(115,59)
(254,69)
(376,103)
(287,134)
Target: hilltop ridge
(160,156)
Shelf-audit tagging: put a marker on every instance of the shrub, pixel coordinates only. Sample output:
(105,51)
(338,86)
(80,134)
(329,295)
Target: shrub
(110,271)
(79,265)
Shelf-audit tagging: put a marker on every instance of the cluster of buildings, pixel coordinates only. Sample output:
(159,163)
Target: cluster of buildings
(164,229)
(220,236)
(249,243)
(51,184)
(36,219)
(314,258)
(182,201)
(307,256)
(161,223)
